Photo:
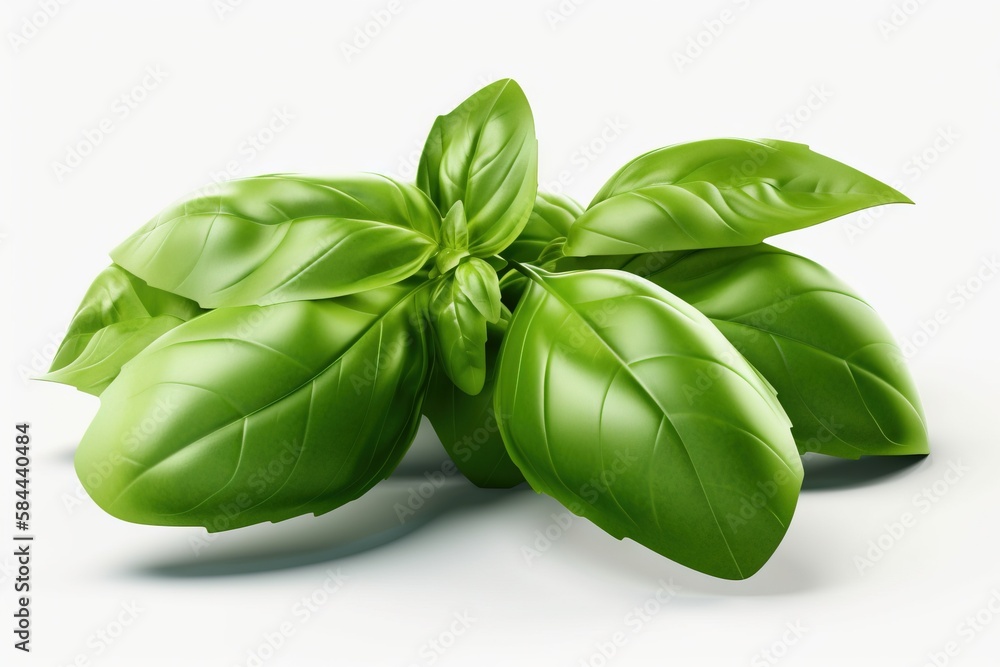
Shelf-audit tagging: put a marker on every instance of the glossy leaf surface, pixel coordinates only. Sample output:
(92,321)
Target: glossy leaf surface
(259,414)
(468,426)
(454,239)
(629,407)
(839,374)
(461,305)
(478,282)
(720,193)
(271,239)
(550,219)
(119,316)
(484,154)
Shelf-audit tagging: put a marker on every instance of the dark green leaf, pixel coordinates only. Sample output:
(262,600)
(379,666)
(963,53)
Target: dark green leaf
(550,220)
(484,154)
(720,193)
(629,407)
(259,414)
(461,306)
(119,316)
(285,237)
(468,426)
(838,371)
(478,282)
(541,242)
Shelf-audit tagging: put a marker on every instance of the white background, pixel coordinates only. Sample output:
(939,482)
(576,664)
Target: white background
(915,106)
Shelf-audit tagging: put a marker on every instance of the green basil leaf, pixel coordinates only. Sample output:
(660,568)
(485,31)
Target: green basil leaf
(541,241)
(468,426)
(720,193)
(255,414)
(460,329)
(839,374)
(454,239)
(285,237)
(484,154)
(478,282)
(630,408)
(119,316)
(550,220)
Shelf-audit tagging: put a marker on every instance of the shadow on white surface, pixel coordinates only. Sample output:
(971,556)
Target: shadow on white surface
(418,493)
(826,473)
(794,568)
(423,488)
(370,522)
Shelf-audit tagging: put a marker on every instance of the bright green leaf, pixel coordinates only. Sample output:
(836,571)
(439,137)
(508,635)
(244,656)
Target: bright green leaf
(720,193)
(484,154)
(468,426)
(119,316)
(630,408)
(478,282)
(839,374)
(550,220)
(255,414)
(454,239)
(460,332)
(285,237)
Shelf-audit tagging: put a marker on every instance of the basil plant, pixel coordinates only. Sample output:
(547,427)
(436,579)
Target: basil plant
(267,349)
